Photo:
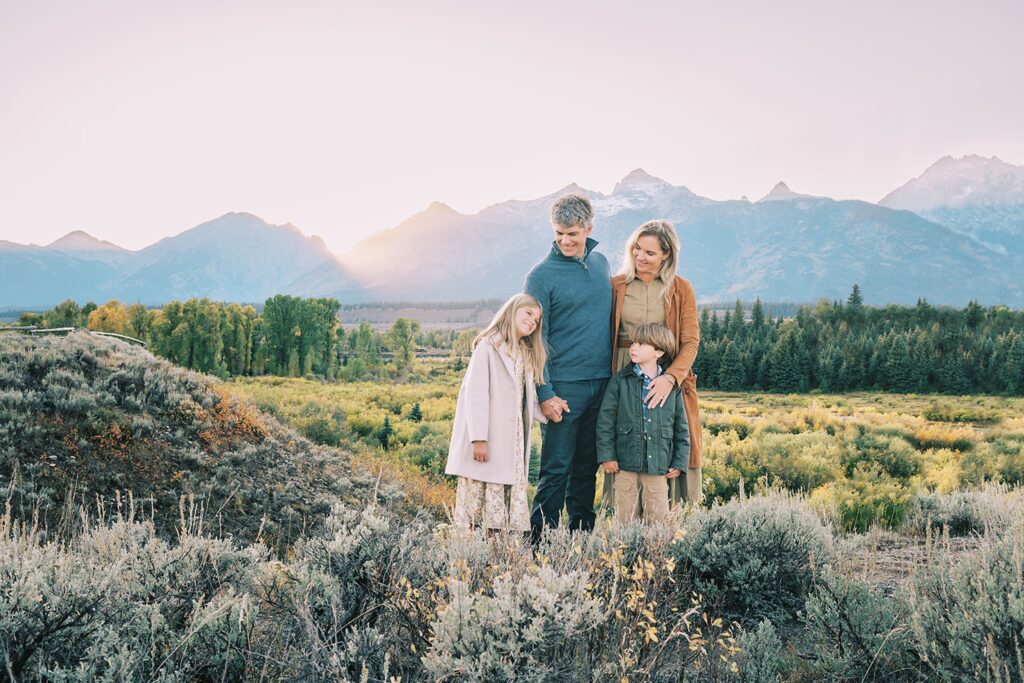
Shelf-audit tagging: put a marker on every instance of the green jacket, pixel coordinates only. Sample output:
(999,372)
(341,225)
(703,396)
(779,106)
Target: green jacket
(620,435)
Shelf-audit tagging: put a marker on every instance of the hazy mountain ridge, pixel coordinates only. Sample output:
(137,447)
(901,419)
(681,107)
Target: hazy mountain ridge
(236,254)
(786,246)
(979,197)
(35,276)
(971,180)
(237,257)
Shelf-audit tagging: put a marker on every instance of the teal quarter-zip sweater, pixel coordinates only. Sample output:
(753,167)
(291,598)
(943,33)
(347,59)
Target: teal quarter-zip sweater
(576,294)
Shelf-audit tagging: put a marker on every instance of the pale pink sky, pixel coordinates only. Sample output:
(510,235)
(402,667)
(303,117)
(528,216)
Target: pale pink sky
(135,120)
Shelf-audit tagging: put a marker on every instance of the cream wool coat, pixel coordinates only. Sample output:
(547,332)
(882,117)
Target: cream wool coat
(486,411)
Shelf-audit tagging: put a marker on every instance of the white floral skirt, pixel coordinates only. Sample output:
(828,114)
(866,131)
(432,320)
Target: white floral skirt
(491,506)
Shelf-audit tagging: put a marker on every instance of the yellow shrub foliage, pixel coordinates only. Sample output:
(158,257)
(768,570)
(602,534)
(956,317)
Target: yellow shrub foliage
(945,436)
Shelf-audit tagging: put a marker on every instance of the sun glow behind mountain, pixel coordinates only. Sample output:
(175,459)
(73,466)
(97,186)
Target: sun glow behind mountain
(787,246)
(130,120)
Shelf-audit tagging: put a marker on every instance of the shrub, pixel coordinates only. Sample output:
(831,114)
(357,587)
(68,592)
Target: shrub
(856,632)
(979,465)
(760,658)
(634,618)
(322,430)
(809,461)
(530,629)
(755,556)
(869,498)
(968,615)
(893,455)
(718,424)
(938,436)
(119,603)
(942,412)
(430,454)
(814,418)
(1011,460)
(993,509)
(799,462)
(340,594)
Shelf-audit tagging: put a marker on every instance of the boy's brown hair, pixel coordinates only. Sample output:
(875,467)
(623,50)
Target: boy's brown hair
(658,336)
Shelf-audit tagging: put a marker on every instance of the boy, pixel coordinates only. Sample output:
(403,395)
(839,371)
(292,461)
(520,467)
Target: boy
(644,447)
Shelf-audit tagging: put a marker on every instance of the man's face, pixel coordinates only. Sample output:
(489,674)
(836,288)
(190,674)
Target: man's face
(572,242)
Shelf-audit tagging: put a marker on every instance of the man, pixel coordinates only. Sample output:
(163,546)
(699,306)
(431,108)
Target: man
(573,285)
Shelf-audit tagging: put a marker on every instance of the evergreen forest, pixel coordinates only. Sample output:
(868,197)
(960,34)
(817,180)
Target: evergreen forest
(829,347)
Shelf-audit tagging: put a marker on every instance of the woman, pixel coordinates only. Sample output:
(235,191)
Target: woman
(647,290)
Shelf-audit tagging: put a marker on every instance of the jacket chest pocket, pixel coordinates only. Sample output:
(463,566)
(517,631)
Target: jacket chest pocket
(660,421)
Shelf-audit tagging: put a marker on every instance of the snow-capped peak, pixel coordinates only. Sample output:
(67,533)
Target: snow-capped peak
(79,240)
(639,180)
(781,193)
(971,180)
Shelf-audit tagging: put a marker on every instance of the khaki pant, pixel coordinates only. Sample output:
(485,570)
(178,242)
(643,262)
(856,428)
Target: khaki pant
(651,489)
(686,488)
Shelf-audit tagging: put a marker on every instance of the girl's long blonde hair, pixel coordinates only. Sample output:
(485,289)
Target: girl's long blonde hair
(665,233)
(503,329)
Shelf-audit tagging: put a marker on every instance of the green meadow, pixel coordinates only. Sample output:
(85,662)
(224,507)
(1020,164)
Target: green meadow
(864,458)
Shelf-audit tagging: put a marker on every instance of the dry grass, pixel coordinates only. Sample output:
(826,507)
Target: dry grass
(421,489)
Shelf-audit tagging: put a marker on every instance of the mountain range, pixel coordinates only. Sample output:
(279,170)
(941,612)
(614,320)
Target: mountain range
(981,198)
(237,257)
(953,234)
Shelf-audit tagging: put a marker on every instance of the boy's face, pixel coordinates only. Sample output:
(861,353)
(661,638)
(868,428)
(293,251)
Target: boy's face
(644,353)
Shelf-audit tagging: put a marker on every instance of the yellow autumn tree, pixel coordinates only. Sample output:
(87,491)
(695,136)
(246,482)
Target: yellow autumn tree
(110,317)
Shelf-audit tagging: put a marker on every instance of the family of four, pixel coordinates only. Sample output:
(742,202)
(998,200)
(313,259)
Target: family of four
(604,362)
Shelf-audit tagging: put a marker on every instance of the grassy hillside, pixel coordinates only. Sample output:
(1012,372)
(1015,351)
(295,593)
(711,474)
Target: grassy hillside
(83,418)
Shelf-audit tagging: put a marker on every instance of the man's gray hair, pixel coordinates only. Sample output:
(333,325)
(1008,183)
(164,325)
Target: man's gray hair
(571,210)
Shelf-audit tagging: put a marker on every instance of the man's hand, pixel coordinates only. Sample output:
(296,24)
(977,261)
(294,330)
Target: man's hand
(553,408)
(673,472)
(610,467)
(480,451)
(658,391)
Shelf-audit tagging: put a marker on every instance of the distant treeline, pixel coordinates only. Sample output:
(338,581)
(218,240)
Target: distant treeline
(847,346)
(775,309)
(831,347)
(486,304)
(291,337)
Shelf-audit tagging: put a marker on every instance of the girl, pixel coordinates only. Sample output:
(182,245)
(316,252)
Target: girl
(496,405)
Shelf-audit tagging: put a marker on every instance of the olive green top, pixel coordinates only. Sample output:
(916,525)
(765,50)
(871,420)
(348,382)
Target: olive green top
(642,304)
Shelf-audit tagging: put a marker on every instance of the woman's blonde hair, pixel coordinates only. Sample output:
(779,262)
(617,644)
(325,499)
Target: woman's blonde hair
(503,329)
(665,233)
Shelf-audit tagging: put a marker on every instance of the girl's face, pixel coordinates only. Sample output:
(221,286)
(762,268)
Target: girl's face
(526,319)
(648,255)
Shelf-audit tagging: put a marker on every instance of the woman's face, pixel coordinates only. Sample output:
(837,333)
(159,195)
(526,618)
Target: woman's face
(648,256)
(526,320)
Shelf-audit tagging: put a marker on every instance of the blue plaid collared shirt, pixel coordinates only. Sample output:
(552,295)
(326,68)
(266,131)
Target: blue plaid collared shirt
(644,420)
